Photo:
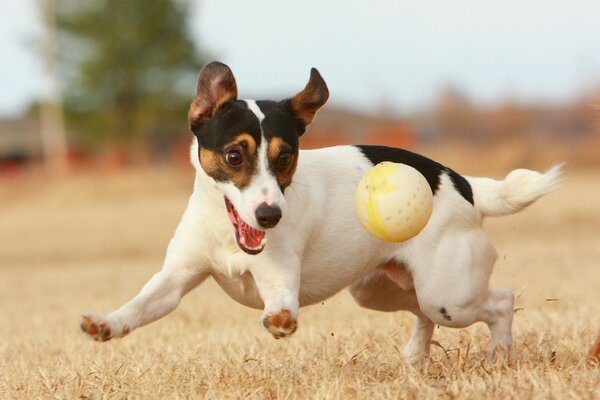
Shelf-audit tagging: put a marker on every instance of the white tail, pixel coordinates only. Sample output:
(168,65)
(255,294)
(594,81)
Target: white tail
(519,189)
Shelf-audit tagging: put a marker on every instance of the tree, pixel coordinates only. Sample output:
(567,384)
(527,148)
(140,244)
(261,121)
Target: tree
(128,69)
(52,126)
(456,115)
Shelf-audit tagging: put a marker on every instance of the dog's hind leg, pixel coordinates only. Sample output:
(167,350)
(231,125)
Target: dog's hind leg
(497,312)
(418,345)
(452,287)
(390,289)
(417,348)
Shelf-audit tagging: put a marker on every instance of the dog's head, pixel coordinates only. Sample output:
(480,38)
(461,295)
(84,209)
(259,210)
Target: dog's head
(250,148)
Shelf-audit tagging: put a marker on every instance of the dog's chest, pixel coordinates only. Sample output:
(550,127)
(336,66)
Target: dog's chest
(230,269)
(241,287)
(226,257)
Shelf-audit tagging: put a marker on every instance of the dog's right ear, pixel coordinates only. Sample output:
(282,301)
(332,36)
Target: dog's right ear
(216,86)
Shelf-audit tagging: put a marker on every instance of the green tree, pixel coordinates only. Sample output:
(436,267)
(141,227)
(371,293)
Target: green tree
(128,69)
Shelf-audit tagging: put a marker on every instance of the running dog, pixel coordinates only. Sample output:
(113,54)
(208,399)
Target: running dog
(275,226)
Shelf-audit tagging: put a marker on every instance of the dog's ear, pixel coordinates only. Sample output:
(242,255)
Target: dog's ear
(306,103)
(216,86)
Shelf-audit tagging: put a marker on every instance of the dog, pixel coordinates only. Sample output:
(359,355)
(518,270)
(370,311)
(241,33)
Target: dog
(275,226)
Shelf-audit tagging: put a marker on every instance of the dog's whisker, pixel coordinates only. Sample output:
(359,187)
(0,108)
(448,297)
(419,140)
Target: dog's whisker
(295,193)
(302,184)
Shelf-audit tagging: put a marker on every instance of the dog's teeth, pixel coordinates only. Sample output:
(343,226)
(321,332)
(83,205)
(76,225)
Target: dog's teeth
(242,240)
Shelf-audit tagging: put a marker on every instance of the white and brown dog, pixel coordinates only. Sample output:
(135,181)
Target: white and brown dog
(276,228)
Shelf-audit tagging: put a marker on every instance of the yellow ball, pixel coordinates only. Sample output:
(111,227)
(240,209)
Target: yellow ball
(393,201)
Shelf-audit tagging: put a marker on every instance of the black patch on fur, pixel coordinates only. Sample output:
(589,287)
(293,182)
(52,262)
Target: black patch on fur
(431,170)
(231,119)
(462,185)
(281,122)
(445,314)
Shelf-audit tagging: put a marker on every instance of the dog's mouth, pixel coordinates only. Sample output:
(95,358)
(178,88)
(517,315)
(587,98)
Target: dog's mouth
(250,240)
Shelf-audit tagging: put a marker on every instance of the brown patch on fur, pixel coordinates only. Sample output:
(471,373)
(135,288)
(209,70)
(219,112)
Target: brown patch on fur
(216,86)
(247,142)
(283,319)
(276,147)
(214,163)
(306,103)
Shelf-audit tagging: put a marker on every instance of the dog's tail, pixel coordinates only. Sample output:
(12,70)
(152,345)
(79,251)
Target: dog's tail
(519,189)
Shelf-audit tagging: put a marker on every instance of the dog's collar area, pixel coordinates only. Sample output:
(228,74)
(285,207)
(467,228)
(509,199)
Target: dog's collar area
(250,240)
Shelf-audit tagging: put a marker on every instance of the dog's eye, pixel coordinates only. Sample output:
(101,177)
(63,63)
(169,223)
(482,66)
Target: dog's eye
(284,160)
(233,158)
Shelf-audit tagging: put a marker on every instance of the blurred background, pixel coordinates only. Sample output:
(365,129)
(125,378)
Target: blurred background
(94,98)
(105,84)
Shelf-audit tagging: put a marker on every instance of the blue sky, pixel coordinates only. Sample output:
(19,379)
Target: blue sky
(393,53)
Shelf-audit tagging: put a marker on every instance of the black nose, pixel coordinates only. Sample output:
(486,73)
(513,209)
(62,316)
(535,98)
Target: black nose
(268,216)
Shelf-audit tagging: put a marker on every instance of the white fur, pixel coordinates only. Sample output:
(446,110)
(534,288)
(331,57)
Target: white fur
(519,189)
(320,248)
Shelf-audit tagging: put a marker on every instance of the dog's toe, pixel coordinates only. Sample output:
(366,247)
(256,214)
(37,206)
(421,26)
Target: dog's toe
(96,327)
(280,324)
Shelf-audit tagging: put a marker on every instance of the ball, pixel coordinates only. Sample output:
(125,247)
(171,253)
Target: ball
(393,201)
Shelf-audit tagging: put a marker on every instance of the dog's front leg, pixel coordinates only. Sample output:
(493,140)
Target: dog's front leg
(159,296)
(279,287)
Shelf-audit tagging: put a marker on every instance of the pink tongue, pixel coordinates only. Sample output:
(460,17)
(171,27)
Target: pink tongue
(252,237)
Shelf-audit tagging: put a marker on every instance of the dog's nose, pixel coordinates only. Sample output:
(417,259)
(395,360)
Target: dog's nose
(268,216)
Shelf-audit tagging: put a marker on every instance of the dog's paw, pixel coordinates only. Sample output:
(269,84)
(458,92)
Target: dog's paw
(100,329)
(280,324)
(501,355)
(415,357)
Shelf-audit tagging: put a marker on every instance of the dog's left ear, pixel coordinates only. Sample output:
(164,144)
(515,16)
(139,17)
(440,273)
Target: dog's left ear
(216,86)
(306,103)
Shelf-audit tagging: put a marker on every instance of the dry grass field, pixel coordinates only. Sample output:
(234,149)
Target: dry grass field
(89,242)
